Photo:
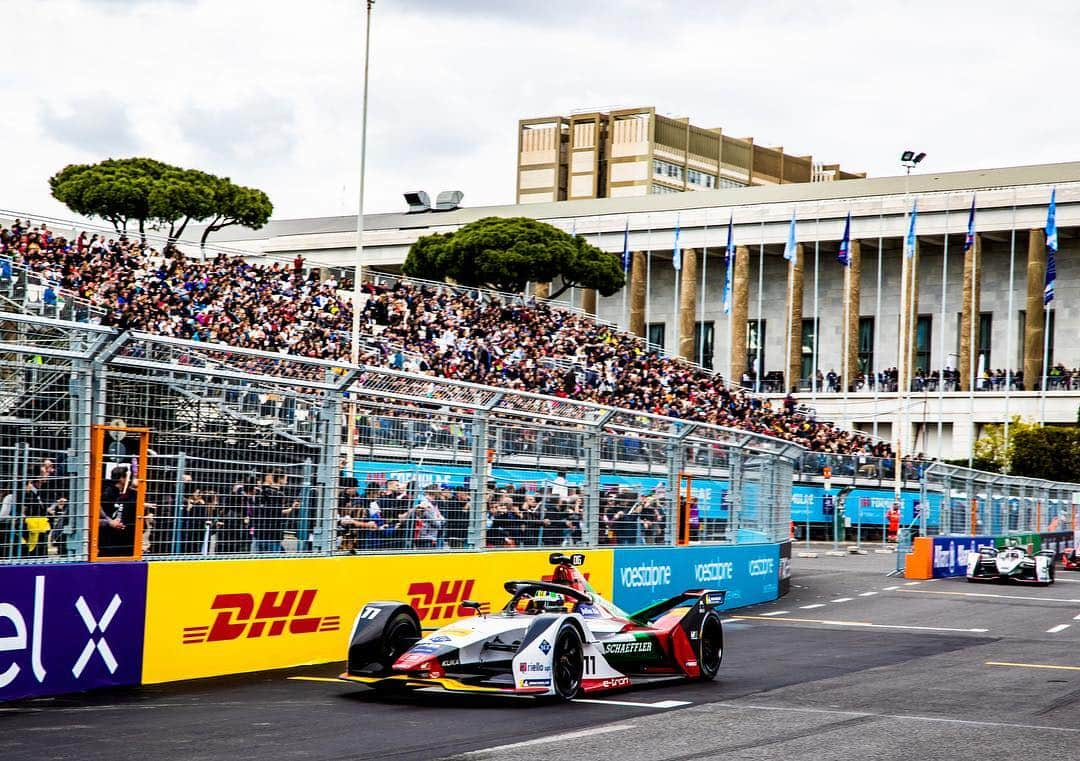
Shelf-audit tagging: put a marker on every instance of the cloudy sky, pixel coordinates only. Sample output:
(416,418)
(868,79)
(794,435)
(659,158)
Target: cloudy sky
(268,92)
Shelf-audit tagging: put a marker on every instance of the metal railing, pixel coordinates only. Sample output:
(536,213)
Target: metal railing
(256,453)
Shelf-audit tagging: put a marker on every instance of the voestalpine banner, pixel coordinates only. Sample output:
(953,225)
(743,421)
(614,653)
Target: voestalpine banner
(750,573)
(950,553)
(1057,541)
(72,627)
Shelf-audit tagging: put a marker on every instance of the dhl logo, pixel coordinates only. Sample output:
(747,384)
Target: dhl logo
(444,602)
(276,611)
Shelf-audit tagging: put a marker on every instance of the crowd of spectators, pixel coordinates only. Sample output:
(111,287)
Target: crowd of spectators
(519,344)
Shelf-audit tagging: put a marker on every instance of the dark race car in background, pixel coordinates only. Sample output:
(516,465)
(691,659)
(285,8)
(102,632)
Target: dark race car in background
(1070,560)
(1011,564)
(555,639)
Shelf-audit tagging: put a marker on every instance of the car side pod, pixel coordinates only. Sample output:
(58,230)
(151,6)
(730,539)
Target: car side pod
(382,631)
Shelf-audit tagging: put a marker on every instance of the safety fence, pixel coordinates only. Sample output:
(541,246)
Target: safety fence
(132,445)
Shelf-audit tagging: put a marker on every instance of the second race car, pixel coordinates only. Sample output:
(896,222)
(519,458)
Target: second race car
(554,639)
(1011,564)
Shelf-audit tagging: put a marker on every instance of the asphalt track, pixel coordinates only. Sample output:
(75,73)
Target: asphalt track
(850,664)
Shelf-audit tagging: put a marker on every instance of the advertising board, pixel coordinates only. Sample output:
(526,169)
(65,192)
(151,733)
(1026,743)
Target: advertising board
(207,619)
(750,573)
(71,627)
(950,553)
(1057,541)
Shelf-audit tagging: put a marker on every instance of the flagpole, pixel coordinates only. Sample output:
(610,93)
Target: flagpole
(1009,328)
(676,348)
(648,282)
(815,355)
(973,351)
(1045,363)
(1048,297)
(845,354)
(877,315)
(760,345)
(626,273)
(941,329)
(900,419)
(788,386)
(699,329)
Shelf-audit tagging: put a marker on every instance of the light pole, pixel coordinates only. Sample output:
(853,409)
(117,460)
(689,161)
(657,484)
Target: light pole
(358,273)
(909,160)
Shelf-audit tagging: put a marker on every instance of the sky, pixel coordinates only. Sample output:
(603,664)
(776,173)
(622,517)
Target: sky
(268,92)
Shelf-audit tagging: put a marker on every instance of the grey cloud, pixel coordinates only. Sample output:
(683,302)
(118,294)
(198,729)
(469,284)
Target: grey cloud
(262,128)
(94,124)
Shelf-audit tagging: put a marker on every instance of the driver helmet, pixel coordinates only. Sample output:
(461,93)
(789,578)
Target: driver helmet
(544,601)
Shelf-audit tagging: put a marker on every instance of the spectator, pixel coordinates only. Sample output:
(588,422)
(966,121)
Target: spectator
(117,515)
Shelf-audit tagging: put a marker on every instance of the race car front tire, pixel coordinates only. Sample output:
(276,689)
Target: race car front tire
(567,662)
(710,646)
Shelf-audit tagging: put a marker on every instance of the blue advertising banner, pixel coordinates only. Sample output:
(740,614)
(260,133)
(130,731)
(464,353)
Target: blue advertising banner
(66,628)
(950,553)
(749,573)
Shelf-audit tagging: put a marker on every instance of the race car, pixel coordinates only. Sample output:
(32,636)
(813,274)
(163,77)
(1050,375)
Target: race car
(1070,560)
(553,639)
(1011,564)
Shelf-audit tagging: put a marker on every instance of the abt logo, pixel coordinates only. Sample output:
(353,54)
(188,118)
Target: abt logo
(276,612)
(435,604)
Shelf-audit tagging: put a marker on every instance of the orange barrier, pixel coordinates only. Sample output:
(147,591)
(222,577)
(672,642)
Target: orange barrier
(919,564)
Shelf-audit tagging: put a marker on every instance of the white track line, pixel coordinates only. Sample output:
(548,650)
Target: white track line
(811,607)
(658,704)
(989,594)
(911,583)
(867,594)
(936,719)
(785,612)
(842,599)
(1076,617)
(1058,628)
(555,738)
(890,589)
(866,625)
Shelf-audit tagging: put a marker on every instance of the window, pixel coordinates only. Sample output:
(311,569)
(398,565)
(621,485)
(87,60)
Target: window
(923,342)
(655,335)
(704,338)
(702,179)
(656,189)
(809,338)
(667,170)
(755,347)
(866,344)
(986,327)
(726,183)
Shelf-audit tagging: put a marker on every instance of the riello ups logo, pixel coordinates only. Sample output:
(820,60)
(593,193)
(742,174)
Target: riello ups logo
(436,602)
(241,615)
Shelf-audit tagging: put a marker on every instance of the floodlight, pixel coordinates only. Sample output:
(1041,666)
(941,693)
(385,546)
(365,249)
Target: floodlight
(448,200)
(418,201)
(907,156)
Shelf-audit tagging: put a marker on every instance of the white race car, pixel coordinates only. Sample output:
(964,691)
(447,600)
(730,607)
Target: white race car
(1011,564)
(553,639)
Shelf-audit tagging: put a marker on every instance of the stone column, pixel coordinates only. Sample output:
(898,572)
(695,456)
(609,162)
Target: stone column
(588,301)
(794,321)
(740,305)
(542,290)
(688,296)
(969,310)
(854,273)
(913,313)
(1035,320)
(637,294)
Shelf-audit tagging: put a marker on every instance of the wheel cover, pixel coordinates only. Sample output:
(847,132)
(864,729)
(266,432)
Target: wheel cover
(569,663)
(712,649)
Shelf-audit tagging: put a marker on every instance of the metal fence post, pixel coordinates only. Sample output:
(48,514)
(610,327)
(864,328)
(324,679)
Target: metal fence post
(328,474)
(178,500)
(736,477)
(478,475)
(591,445)
(303,521)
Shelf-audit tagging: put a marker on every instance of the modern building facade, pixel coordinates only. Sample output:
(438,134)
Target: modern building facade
(636,151)
(972,309)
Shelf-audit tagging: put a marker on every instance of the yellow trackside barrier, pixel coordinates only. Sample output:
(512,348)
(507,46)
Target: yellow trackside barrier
(209,619)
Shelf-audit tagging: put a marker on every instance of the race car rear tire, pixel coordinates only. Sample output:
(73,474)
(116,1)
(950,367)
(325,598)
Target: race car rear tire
(710,646)
(567,662)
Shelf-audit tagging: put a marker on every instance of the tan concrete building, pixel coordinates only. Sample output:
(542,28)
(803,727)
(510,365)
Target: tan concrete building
(636,151)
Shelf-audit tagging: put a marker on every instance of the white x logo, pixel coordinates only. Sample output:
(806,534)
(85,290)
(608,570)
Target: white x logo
(101,645)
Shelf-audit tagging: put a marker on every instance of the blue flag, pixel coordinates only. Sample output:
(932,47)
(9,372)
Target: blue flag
(844,256)
(729,262)
(790,246)
(676,254)
(626,247)
(909,241)
(1051,248)
(969,239)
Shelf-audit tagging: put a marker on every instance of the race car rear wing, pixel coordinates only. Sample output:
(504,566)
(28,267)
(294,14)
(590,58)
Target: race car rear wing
(709,598)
